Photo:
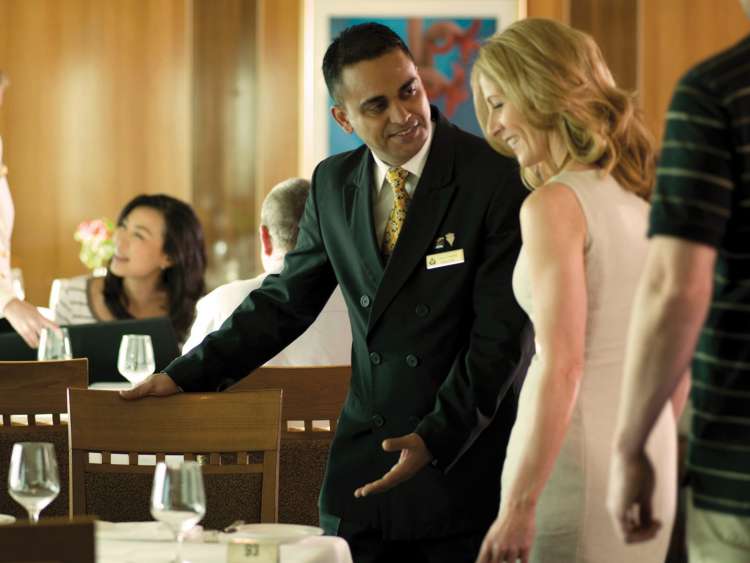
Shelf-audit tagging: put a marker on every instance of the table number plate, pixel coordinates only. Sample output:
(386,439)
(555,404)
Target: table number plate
(249,551)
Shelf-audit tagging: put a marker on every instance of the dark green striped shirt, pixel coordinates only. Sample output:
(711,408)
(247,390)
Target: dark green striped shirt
(703,195)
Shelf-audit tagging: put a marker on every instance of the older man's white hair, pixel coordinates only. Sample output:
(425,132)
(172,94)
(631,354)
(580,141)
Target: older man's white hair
(282,210)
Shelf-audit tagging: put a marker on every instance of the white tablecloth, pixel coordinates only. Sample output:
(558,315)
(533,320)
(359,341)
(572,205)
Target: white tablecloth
(310,550)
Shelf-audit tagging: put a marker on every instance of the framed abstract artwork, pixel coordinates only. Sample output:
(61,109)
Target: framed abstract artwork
(443,35)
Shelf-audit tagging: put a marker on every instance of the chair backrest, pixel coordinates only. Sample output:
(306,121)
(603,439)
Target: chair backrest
(35,393)
(55,540)
(39,387)
(313,396)
(203,426)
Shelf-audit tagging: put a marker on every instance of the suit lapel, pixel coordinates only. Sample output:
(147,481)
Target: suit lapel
(426,211)
(358,194)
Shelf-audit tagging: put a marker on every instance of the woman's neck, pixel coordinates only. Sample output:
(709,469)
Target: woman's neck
(559,160)
(145,296)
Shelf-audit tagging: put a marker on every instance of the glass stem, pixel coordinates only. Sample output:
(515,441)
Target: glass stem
(34,516)
(180,537)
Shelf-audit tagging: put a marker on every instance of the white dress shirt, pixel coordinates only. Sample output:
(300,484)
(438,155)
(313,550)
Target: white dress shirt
(382,199)
(327,342)
(6,229)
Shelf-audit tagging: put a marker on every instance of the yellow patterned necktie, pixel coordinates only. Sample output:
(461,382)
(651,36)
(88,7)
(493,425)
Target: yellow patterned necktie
(397,179)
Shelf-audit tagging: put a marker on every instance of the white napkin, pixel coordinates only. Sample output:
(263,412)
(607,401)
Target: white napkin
(141,531)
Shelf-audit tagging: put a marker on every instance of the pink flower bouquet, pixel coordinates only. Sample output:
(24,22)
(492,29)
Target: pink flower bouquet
(97,246)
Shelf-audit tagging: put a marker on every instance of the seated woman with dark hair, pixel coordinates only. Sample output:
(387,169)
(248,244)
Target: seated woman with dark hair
(157,269)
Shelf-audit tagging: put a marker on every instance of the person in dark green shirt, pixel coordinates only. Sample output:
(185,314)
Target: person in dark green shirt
(694,305)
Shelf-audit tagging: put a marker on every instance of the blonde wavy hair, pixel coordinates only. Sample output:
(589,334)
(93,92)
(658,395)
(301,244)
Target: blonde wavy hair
(557,78)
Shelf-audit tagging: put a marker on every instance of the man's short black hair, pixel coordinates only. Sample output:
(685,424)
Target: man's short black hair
(361,42)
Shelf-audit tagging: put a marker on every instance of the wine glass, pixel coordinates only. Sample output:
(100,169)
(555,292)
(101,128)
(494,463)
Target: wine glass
(33,481)
(177,498)
(135,360)
(54,345)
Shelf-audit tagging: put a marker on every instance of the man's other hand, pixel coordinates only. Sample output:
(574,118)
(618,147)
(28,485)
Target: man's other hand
(414,456)
(630,496)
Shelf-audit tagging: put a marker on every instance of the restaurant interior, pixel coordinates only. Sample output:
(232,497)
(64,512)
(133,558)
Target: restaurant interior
(214,102)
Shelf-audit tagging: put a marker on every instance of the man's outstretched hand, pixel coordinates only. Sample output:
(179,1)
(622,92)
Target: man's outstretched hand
(414,456)
(156,385)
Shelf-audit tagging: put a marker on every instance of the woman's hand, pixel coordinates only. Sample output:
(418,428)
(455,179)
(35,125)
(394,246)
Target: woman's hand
(27,321)
(509,538)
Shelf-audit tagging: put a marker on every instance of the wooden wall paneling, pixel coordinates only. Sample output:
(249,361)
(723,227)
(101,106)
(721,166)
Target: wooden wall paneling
(224,129)
(552,9)
(4,47)
(30,134)
(614,26)
(676,34)
(279,90)
(98,112)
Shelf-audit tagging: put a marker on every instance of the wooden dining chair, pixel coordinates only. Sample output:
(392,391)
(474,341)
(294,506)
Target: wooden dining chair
(35,392)
(54,540)
(198,426)
(313,398)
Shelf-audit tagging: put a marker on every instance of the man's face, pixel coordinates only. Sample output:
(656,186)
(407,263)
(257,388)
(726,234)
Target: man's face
(383,101)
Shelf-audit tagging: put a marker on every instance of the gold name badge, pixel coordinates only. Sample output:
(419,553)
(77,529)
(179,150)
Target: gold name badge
(445,259)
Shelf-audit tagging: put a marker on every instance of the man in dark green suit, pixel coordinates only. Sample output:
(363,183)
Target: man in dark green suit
(436,329)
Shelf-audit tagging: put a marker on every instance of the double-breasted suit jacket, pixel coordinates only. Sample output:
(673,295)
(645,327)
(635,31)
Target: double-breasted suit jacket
(434,350)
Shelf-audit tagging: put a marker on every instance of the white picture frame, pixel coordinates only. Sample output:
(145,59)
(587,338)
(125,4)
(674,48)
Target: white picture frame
(318,14)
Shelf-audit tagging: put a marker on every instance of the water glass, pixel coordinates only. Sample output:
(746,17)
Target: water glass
(54,345)
(33,481)
(135,360)
(178,499)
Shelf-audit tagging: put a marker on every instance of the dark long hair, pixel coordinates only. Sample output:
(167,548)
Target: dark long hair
(183,279)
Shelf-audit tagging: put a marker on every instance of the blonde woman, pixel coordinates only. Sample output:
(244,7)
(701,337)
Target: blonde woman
(544,95)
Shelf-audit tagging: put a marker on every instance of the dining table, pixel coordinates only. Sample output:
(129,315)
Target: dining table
(150,542)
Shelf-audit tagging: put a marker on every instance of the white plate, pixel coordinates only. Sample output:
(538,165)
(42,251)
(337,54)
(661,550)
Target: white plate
(276,533)
(111,385)
(6,519)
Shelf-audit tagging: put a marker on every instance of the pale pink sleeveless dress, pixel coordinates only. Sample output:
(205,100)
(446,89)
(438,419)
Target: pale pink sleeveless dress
(572,521)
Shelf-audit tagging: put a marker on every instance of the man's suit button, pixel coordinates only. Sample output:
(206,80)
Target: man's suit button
(412,361)
(375,358)
(377,420)
(364,301)
(422,310)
